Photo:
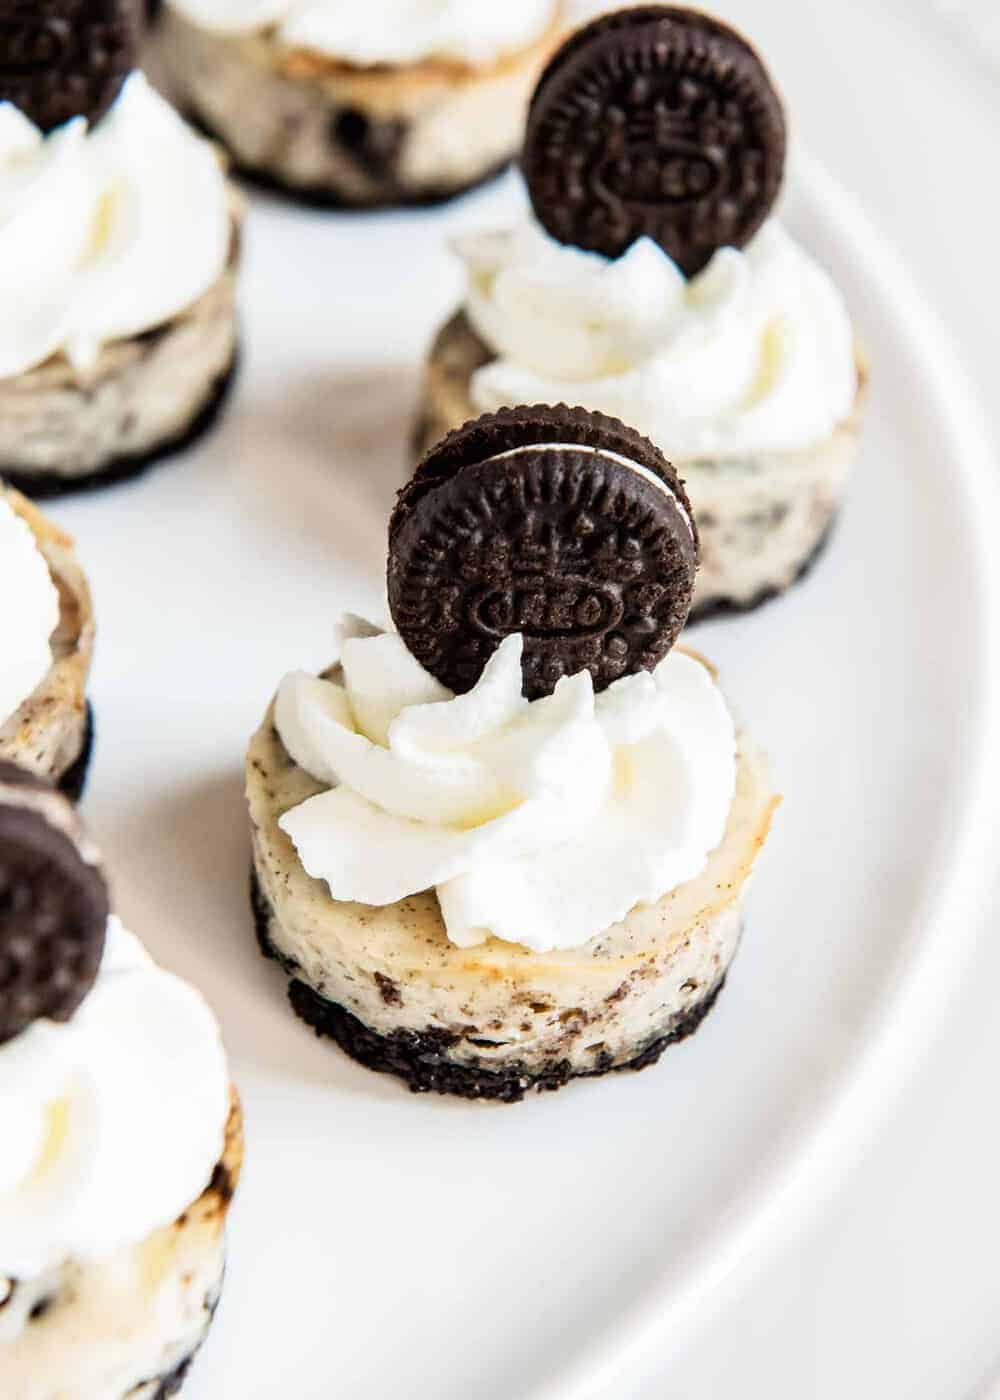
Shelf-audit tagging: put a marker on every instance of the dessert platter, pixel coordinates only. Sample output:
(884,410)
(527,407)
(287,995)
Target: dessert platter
(549,622)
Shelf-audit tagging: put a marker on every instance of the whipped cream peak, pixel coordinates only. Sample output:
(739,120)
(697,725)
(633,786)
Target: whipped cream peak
(537,822)
(754,354)
(395,32)
(112,1122)
(104,233)
(30,615)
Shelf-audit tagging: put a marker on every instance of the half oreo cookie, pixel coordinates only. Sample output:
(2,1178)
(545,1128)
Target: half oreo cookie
(560,524)
(53,905)
(66,58)
(655,121)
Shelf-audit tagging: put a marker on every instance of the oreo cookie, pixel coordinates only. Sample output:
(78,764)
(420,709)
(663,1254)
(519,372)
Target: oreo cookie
(53,908)
(563,525)
(66,58)
(655,121)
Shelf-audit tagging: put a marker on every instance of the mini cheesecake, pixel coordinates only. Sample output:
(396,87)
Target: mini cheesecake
(50,732)
(496,1021)
(161,1293)
(147,397)
(508,845)
(653,281)
(124,1140)
(764,517)
(372,123)
(119,340)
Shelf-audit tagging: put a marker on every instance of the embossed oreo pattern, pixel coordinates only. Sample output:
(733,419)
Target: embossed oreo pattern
(66,58)
(655,121)
(589,560)
(53,918)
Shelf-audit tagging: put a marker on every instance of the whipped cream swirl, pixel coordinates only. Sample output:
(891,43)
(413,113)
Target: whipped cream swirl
(111,1123)
(104,233)
(30,612)
(538,822)
(384,31)
(755,354)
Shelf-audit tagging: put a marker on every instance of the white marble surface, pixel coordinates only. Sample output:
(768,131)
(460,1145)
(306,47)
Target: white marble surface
(895,1294)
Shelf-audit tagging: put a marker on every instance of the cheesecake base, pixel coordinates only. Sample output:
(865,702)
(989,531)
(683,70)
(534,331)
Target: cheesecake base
(328,133)
(734,607)
(420,1059)
(49,485)
(51,732)
(324,197)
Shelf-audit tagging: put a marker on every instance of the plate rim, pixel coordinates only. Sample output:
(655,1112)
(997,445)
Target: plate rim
(806,1170)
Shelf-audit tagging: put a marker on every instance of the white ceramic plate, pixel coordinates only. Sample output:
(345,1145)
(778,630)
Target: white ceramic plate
(385,1244)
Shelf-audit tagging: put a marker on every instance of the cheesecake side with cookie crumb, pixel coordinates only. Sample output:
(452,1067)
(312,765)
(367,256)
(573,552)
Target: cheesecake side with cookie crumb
(366,108)
(45,720)
(123,1137)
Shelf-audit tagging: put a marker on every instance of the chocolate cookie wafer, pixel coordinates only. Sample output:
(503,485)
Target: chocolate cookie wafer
(53,904)
(562,525)
(655,121)
(66,58)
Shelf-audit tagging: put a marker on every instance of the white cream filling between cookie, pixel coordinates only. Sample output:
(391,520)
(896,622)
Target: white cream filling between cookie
(636,468)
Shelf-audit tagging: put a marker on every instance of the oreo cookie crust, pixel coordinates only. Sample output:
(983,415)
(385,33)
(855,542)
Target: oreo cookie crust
(562,525)
(51,485)
(762,518)
(496,1020)
(332,135)
(323,197)
(655,121)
